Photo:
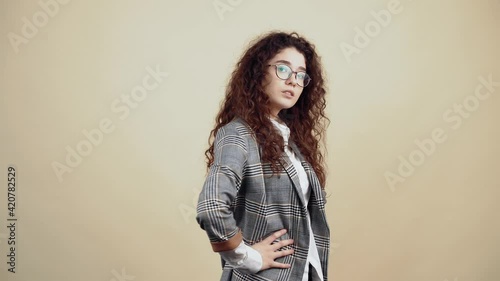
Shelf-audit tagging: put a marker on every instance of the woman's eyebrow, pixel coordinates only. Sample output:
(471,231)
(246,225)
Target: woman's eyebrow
(289,64)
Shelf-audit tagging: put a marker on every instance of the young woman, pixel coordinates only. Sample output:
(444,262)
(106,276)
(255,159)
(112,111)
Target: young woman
(263,202)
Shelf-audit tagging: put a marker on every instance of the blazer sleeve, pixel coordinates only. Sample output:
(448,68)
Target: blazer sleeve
(214,213)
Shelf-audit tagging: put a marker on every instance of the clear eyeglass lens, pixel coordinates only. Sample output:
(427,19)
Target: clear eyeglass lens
(304,80)
(284,72)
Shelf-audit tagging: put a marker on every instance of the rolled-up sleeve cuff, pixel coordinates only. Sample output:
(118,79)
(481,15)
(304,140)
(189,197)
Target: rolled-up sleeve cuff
(229,244)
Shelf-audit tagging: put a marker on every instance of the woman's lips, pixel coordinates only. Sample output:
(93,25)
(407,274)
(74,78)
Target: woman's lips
(288,94)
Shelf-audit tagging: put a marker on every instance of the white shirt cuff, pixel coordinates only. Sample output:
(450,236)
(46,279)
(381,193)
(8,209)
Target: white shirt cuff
(244,258)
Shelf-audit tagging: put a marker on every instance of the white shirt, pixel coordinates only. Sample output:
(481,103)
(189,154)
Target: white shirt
(313,256)
(248,260)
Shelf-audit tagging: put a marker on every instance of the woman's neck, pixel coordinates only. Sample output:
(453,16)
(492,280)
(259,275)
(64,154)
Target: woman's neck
(277,119)
(274,117)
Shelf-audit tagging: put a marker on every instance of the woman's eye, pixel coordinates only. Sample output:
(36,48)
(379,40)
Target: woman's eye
(282,69)
(301,75)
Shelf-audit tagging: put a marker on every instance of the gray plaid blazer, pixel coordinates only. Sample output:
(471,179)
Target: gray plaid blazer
(239,195)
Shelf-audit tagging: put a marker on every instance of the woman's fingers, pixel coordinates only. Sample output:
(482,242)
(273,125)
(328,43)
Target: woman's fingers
(270,251)
(279,254)
(280,265)
(282,243)
(275,236)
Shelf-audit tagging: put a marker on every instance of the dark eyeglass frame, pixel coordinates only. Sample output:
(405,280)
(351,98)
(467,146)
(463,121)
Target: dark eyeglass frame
(306,77)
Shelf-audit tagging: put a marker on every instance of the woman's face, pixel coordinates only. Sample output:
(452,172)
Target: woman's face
(284,93)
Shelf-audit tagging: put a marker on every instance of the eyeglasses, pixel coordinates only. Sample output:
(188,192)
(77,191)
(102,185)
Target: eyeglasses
(284,72)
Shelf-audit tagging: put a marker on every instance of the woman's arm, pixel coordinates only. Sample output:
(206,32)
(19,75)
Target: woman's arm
(215,216)
(220,189)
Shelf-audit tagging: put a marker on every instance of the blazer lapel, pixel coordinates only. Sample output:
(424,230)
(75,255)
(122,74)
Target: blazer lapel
(311,176)
(294,176)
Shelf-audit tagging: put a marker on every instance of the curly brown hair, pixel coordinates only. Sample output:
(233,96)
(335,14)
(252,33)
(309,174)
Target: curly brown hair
(245,98)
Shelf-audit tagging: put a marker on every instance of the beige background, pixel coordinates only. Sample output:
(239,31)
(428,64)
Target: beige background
(126,211)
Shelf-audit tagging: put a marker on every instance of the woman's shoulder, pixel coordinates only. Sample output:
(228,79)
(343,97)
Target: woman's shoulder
(235,132)
(237,126)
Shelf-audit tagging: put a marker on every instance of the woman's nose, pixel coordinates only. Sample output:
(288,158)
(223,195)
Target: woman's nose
(292,79)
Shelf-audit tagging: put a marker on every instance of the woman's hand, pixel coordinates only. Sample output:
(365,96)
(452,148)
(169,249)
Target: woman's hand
(269,251)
